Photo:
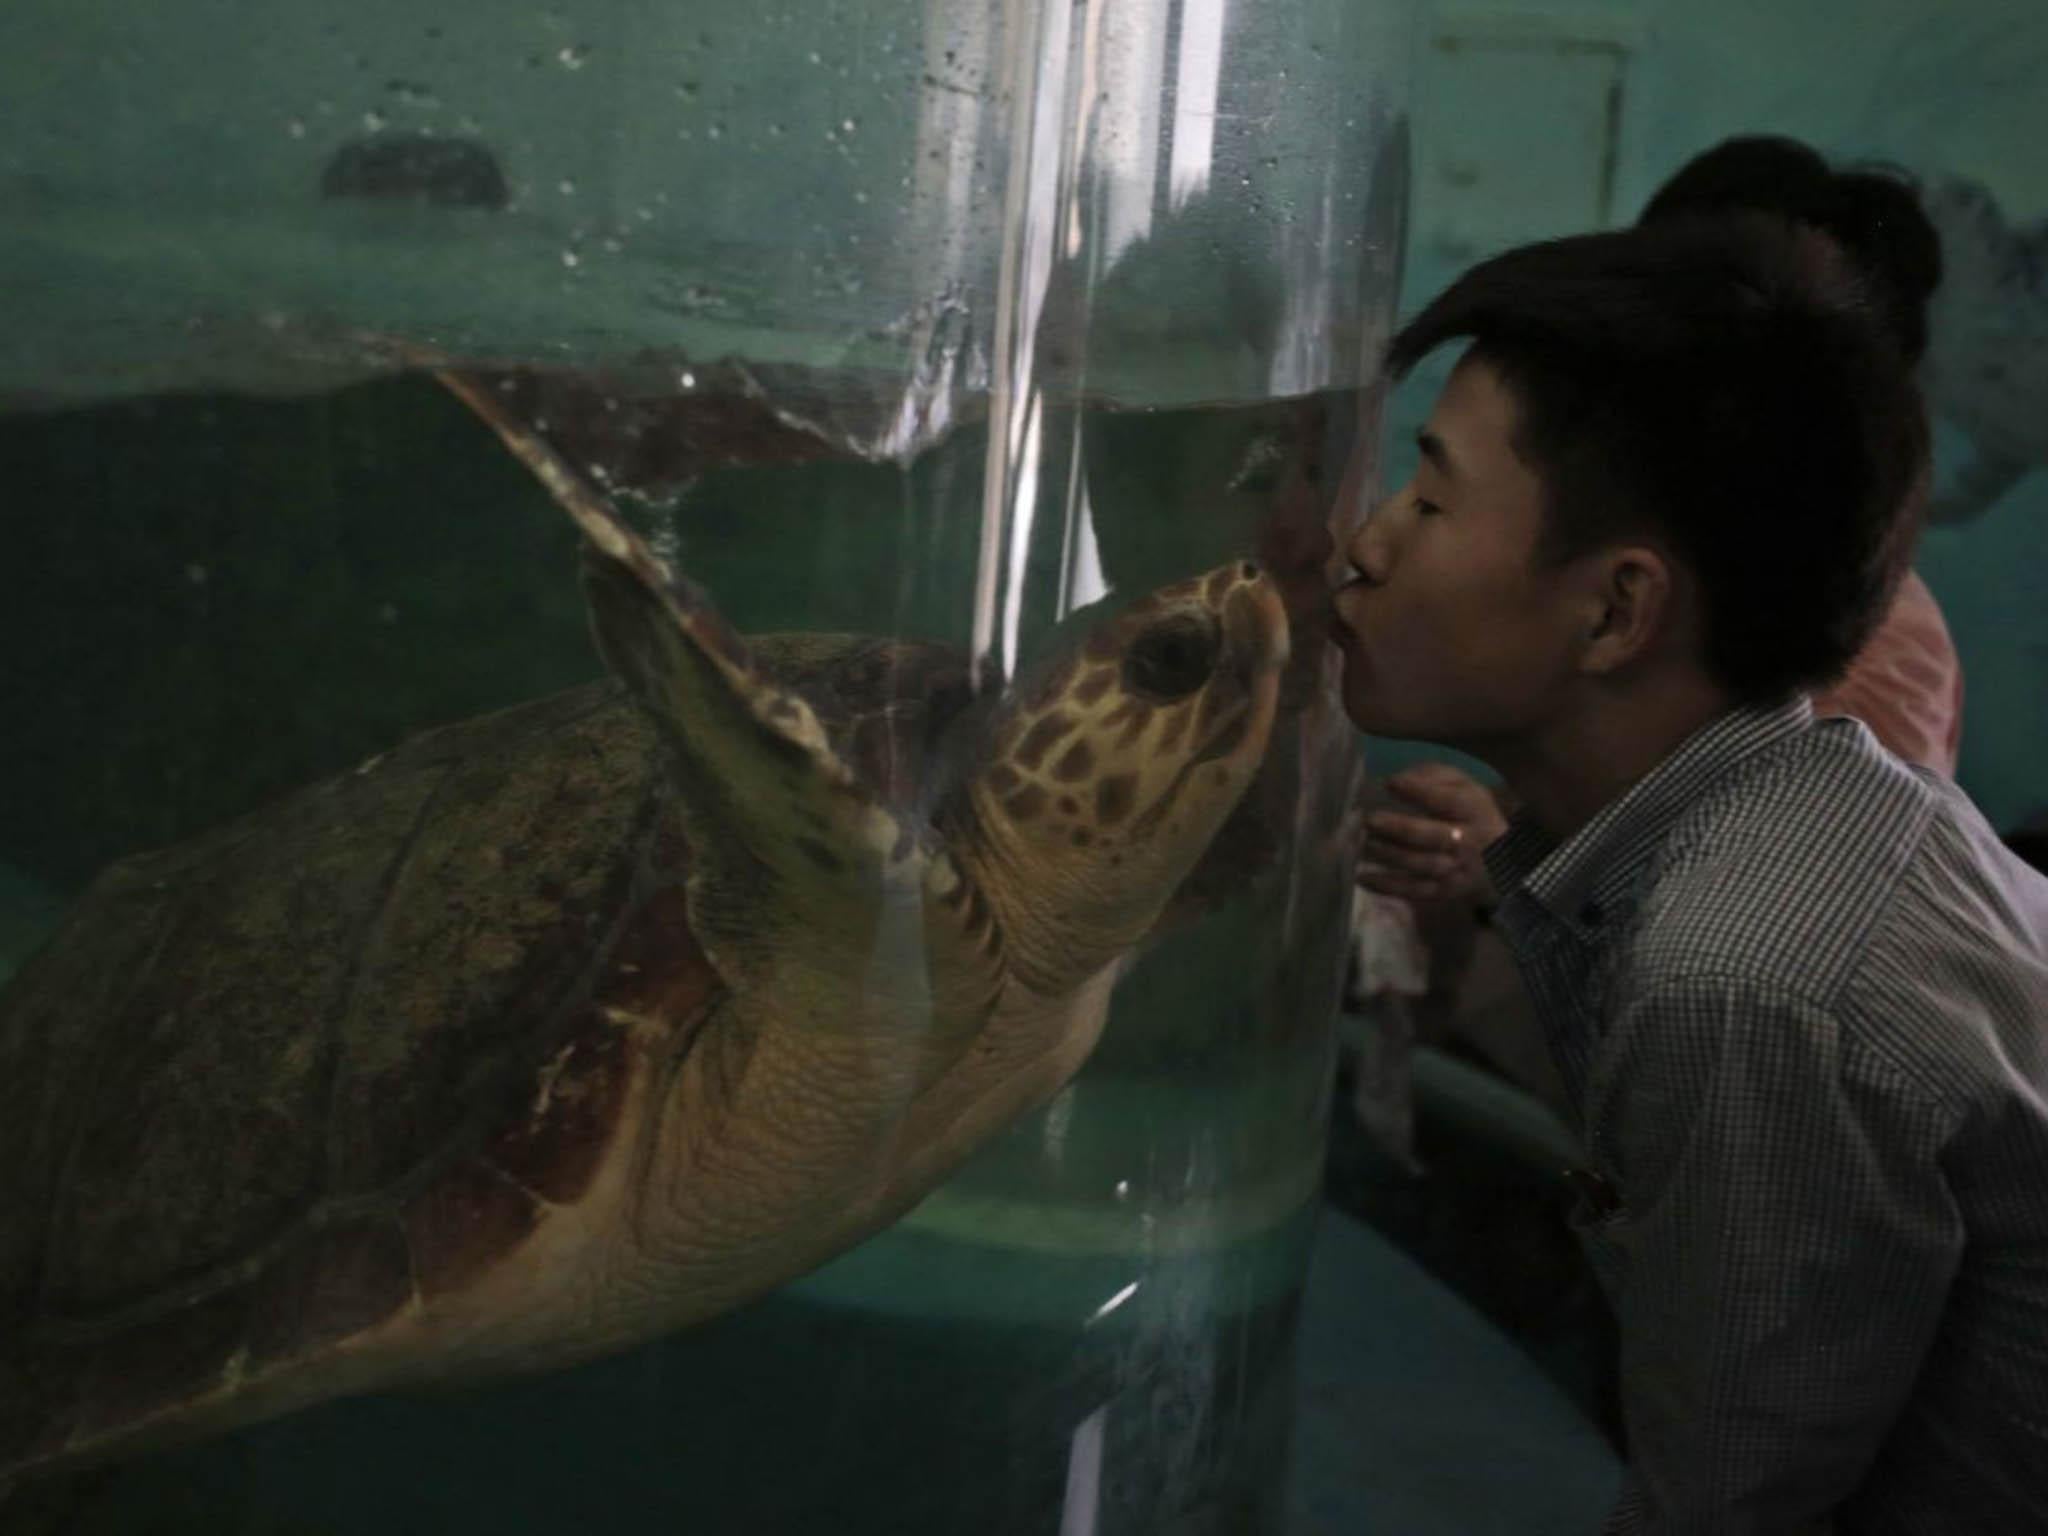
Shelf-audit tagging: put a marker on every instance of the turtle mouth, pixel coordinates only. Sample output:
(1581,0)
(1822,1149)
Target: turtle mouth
(1225,739)
(1256,626)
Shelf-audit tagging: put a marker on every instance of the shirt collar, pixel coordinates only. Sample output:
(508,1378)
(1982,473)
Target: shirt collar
(1581,880)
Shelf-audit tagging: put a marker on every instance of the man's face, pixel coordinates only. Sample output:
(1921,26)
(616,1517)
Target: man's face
(1453,630)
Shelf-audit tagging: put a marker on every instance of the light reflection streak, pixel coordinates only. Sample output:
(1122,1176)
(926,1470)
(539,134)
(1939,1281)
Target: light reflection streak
(1197,79)
(1084,1476)
(1114,1302)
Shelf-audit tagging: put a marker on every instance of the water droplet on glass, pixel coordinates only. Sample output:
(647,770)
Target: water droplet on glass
(566,187)
(715,131)
(374,121)
(776,130)
(613,245)
(196,574)
(687,90)
(571,260)
(574,56)
(815,57)
(687,379)
(847,125)
(296,127)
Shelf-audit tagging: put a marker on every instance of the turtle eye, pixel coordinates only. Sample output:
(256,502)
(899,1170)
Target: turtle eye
(1171,660)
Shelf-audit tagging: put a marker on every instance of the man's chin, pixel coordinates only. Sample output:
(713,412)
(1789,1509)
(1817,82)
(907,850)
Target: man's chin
(1386,718)
(1377,716)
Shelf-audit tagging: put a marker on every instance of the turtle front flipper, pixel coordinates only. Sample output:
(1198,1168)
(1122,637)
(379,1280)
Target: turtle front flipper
(806,884)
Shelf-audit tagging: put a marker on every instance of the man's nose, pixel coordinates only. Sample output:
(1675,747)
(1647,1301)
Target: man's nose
(1371,546)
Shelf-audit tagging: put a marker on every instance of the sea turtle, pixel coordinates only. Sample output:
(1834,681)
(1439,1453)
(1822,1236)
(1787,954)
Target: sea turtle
(553,1030)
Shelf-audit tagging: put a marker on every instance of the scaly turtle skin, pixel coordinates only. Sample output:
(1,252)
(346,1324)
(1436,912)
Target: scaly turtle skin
(554,1030)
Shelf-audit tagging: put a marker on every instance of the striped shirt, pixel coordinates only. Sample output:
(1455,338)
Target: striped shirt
(1798,993)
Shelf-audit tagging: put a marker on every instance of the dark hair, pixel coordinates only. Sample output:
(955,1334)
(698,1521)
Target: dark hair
(1717,383)
(1872,213)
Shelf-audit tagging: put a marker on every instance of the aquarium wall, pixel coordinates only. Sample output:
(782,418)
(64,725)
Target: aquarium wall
(851,1047)
(1542,119)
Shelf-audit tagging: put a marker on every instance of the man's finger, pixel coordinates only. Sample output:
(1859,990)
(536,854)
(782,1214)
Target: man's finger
(1452,799)
(1435,866)
(1425,834)
(1391,882)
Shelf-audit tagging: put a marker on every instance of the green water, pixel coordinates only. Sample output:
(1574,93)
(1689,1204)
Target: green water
(1167,1414)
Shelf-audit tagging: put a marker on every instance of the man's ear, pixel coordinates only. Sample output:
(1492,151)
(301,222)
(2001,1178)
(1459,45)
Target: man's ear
(1630,606)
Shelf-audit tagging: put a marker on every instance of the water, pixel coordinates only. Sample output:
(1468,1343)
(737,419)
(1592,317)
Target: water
(1086,1330)
(802,1414)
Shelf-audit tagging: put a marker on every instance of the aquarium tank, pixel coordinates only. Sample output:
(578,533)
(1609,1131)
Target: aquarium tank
(849,1050)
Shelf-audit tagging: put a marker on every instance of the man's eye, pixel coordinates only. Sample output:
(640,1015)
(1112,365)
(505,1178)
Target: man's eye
(1426,508)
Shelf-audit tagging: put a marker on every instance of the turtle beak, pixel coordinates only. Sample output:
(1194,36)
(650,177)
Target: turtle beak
(1255,625)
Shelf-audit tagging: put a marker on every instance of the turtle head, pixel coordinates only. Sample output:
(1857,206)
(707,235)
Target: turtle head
(1107,777)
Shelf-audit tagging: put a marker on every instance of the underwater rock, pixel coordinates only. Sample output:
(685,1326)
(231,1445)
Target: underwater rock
(416,168)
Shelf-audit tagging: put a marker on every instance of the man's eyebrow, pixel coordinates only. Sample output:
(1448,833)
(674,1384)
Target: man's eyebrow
(1433,449)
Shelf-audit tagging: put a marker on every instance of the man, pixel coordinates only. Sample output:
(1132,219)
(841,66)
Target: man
(1906,683)
(1795,990)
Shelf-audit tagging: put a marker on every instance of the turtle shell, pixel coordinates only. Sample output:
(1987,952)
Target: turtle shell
(263,1090)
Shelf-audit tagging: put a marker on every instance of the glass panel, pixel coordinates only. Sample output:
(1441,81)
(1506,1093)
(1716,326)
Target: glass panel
(869,1072)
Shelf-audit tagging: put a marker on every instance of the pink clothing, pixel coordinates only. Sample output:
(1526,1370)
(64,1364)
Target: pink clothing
(1906,683)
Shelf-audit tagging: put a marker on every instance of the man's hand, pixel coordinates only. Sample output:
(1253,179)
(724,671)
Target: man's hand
(1429,849)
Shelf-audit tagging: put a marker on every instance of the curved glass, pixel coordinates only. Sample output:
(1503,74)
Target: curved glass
(954,913)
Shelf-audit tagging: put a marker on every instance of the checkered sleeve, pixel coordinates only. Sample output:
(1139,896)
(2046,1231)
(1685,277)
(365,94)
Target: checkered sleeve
(1789,1240)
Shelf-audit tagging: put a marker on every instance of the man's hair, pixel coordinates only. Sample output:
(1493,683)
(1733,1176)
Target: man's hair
(1872,213)
(1719,385)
